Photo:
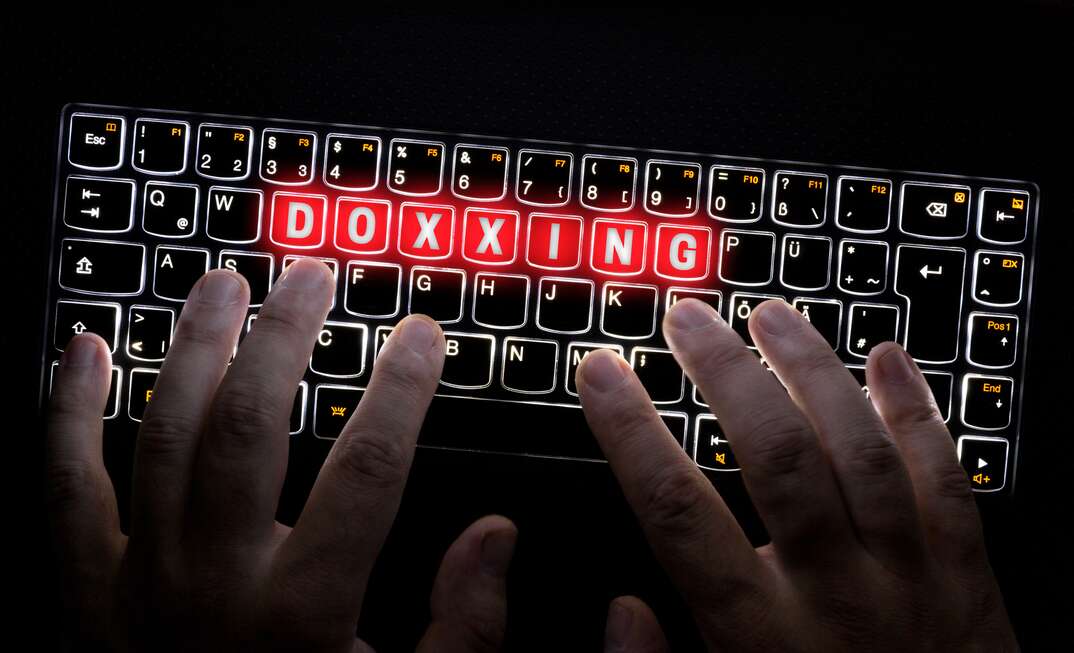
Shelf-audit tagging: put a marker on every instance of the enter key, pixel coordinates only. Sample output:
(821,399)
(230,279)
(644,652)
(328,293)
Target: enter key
(931,280)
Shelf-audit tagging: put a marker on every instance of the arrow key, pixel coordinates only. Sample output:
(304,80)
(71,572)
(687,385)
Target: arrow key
(986,401)
(985,461)
(149,332)
(711,448)
(73,318)
(993,340)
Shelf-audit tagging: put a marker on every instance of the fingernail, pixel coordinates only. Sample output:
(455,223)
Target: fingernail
(219,288)
(497,547)
(778,318)
(305,274)
(691,314)
(418,334)
(895,366)
(617,632)
(602,371)
(80,352)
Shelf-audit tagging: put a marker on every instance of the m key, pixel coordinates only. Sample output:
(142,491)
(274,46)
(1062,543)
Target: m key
(931,279)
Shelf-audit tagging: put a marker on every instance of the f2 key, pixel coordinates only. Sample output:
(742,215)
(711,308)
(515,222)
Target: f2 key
(224,151)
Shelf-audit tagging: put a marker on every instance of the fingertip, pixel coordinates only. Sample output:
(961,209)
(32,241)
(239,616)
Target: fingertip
(688,315)
(221,287)
(421,334)
(85,350)
(889,362)
(602,370)
(632,626)
(497,544)
(307,274)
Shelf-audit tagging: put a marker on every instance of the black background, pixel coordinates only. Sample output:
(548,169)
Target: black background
(969,93)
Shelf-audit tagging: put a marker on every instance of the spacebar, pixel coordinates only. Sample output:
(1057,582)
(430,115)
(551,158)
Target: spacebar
(508,427)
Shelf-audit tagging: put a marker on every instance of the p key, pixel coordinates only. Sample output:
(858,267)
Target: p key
(659,373)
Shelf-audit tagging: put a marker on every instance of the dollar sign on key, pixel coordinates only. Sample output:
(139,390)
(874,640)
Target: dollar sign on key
(337,147)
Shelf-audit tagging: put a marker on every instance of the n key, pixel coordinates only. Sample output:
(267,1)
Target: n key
(930,278)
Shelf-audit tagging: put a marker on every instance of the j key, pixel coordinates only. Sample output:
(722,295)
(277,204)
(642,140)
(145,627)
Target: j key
(986,401)
(332,407)
(993,340)
(176,270)
(111,404)
(826,316)
(711,448)
(480,172)
(985,461)
(576,351)
(742,305)
(468,360)
(1003,216)
(340,350)
(863,267)
(544,178)
(351,162)
(676,424)
(287,156)
(800,199)
(672,189)
(941,384)
(997,278)
(149,332)
(101,267)
(934,210)
(863,205)
(160,146)
(224,151)
(869,325)
(658,372)
(608,182)
(628,310)
(736,194)
(170,210)
(298,410)
(930,278)
(233,215)
(255,267)
(529,365)
(713,298)
(415,167)
(372,289)
(140,394)
(104,205)
(747,257)
(501,301)
(437,293)
(73,318)
(805,262)
(564,305)
(96,142)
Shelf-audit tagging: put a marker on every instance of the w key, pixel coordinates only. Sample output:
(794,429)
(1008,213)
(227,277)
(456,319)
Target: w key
(930,278)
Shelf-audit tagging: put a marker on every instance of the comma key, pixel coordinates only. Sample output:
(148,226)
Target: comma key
(659,373)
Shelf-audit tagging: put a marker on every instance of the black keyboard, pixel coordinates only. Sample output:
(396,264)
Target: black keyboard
(531,254)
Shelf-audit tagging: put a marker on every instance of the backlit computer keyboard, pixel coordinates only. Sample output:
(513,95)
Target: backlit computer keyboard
(531,254)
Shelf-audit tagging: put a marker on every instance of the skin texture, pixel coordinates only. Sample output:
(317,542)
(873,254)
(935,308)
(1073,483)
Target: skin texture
(205,565)
(876,540)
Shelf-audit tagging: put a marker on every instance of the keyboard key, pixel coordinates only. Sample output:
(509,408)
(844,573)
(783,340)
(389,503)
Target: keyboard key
(233,215)
(930,278)
(490,237)
(608,182)
(372,289)
(805,262)
(992,340)
(863,205)
(101,205)
(297,421)
(800,199)
(332,407)
(628,310)
(287,156)
(742,305)
(711,448)
(659,373)
(676,424)
(115,387)
(863,267)
(501,301)
(940,211)
(380,336)
(747,257)
(869,325)
(340,350)
(985,461)
(858,372)
(672,188)
(480,172)
(826,316)
(468,361)
(363,226)
(997,278)
(149,332)
(544,178)
(75,317)
(332,264)
(618,247)
(736,194)
(713,298)
(177,269)
(96,141)
(256,267)
(351,162)
(170,210)
(224,151)
(941,384)
(564,305)
(682,252)
(141,385)
(102,267)
(426,231)
(529,365)
(576,351)
(986,401)
(160,146)
(554,242)
(298,220)
(415,167)
(437,293)
(1003,216)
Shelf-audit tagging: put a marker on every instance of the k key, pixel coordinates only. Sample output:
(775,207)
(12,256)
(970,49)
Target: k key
(480,172)
(544,178)
(672,189)
(415,167)
(800,199)
(931,280)
(628,310)
(224,151)
(351,162)
(160,146)
(103,205)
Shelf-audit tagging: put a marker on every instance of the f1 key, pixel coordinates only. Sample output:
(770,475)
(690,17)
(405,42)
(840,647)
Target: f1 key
(800,199)
(160,146)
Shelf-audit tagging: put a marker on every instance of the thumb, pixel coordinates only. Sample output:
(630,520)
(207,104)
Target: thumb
(632,628)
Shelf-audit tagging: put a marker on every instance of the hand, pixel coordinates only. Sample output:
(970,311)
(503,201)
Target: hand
(205,565)
(876,541)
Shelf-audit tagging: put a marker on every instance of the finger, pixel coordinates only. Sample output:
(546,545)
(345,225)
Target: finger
(469,600)
(356,495)
(940,485)
(632,628)
(868,468)
(243,456)
(691,530)
(204,339)
(784,468)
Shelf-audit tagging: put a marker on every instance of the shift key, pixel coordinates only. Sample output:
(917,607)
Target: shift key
(931,280)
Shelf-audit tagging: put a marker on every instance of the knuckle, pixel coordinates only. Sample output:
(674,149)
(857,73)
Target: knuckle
(482,633)
(720,359)
(165,433)
(371,461)
(282,318)
(68,484)
(919,415)
(816,364)
(200,333)
(779,443)
(674,503)
(245,412)
(873,453)
(950,481)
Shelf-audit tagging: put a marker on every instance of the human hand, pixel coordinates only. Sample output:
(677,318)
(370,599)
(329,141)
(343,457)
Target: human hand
(876,540)
(205,566)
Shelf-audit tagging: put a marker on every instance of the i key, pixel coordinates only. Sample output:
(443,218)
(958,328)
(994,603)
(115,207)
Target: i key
(997,278)
(467,361)
(800,199)
(805,262)
(658,372)
(529,365)
(437,293)
(340,350)
(576,351)
(747,257)
(939,211)
(96,142)
(736,194)
(73,318)
(993,340)
(564,305)
(351,162)
(479,172)
(544,178)
(149,332)
(176,270)
(863,267)
(170,210)
(415,167)
(287,156)
(608,182)
(103,205)
(870,325)
(224,151)
(160,146)
(931,280)
(628,310)
(100,267)
(672,188)
(863,205)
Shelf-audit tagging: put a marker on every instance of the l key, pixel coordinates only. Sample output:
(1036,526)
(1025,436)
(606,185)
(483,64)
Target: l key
(931,280)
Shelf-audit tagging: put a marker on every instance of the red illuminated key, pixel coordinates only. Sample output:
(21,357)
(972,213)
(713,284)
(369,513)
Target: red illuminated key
(682,252)
(490,237)
(618,247)
(426,230)
(362,226)
(554,242)
(298,220)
